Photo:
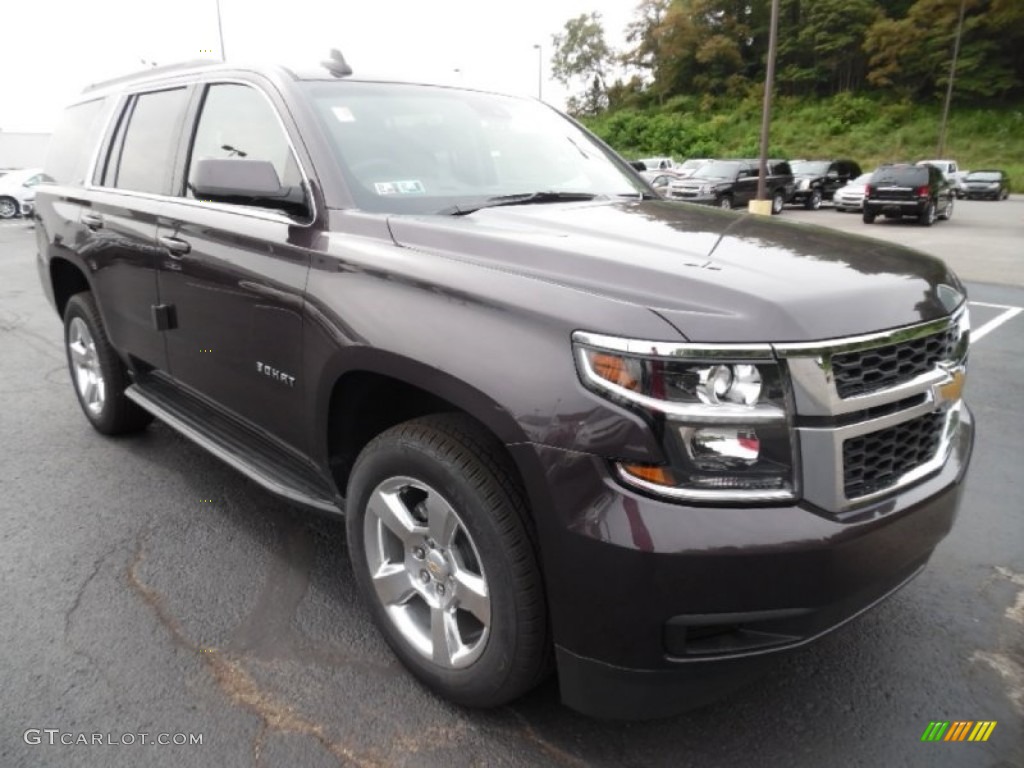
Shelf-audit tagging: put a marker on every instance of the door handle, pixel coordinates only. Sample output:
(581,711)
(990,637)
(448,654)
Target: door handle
(177,248)
(92,220)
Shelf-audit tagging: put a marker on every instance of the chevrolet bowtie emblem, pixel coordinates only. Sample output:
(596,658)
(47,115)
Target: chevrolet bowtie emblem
(949,392)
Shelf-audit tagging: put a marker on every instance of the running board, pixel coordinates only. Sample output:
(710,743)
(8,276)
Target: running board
(256,457)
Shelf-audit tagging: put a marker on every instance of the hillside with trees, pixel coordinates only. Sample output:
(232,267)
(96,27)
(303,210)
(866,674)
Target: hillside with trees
(865,78)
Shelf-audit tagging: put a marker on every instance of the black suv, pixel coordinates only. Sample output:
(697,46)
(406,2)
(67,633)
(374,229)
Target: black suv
(919,191)
(733,184)
(818,180)
(569,424)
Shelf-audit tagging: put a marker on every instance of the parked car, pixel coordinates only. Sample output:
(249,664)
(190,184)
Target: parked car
(850,197)
(661,180)
(689,167)
(951,171)
(818,180)
(990,185)
(733,183)
(17,191)
(921,191)
(569,425)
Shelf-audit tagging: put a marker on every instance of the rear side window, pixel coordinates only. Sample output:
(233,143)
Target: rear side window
(238,121)
(142,156)
(72,144)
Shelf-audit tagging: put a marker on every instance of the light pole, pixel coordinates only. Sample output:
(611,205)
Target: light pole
(949,86)
(540,71)
(766,114)
(220,33)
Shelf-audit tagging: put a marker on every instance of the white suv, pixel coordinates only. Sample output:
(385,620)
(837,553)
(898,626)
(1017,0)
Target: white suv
(17,191)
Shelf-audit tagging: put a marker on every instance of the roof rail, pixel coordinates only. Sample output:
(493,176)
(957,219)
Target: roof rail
(143,73)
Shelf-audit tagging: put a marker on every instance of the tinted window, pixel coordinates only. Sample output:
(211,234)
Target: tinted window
(144,157)
(903,177)
(718,169)
(72,144)
(811,167)
(238,121)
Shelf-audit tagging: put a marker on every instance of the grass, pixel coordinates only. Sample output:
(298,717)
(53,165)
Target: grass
(865,129)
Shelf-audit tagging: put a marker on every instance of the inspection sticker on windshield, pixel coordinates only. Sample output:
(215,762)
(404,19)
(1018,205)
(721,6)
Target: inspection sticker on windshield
(408,187)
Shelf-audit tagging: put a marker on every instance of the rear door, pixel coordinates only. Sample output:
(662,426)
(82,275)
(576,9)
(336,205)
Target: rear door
(235,274)
(119,218)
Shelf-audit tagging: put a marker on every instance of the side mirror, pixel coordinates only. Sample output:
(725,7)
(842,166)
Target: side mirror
(234,178)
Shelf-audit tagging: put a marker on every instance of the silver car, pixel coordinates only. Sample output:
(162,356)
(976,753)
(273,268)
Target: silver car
(851,196)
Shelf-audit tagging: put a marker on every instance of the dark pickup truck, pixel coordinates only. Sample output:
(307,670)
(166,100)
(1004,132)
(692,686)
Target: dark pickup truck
(571,426)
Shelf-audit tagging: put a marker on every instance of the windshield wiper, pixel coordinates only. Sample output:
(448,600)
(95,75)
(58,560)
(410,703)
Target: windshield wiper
(521,198)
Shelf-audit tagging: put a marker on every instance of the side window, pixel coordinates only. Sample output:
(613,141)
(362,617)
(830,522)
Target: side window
(238,121)
(72,144)
(142,157)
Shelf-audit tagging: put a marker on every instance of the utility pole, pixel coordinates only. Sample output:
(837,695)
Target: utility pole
(766,109)
(540,70)
(220,33)
(949,86)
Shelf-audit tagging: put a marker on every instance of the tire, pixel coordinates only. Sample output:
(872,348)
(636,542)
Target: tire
(948,213)
(869,217)
(725,203)
(927,216)
(1005,195)
(436,511)
(8,208)
(97,373)
(813,201)
(778,203)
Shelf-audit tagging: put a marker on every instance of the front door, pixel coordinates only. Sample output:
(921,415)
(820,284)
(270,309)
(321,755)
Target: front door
(235,274)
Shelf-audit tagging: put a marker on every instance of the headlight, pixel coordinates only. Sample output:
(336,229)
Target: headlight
(719,411)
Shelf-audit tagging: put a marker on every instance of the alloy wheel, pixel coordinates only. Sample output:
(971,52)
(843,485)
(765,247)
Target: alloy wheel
(85,367)
(8,208)
(427,573)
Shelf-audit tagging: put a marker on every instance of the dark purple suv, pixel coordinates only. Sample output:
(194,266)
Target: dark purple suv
(572,426)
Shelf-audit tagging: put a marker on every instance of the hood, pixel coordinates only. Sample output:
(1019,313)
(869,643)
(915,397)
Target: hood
(715,275)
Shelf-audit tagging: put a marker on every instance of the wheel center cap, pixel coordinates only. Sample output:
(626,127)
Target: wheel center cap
(437,565)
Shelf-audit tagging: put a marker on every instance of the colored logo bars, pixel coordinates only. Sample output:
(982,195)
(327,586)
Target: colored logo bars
(958,730)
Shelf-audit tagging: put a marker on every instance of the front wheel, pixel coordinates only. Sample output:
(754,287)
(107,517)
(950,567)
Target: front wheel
(97,373)
(778,203)
(725,202)
(813,201)
(8,208)
(439,538)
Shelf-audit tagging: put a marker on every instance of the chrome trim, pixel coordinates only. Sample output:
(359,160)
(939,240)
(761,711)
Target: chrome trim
(224,207)
(691,494)
(694,351)
(691,413)
(810,367)
(822,452)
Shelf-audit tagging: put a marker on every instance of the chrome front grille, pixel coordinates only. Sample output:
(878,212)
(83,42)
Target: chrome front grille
(876,461)
(876,413)
(868,370)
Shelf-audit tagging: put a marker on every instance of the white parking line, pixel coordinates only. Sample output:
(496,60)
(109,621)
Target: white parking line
(1010,313)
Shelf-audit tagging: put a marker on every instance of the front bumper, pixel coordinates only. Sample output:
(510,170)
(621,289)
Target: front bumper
(659,607)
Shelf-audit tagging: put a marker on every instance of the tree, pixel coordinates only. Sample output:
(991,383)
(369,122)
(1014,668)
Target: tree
(582,55)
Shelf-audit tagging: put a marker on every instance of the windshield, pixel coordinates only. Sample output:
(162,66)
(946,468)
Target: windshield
(717,169)
(425,149)
(810,167)
(984,176)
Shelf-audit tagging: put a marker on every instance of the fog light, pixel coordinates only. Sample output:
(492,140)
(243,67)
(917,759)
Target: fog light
(713,448)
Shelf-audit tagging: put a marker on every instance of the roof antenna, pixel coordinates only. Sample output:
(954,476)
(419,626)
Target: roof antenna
(337,65)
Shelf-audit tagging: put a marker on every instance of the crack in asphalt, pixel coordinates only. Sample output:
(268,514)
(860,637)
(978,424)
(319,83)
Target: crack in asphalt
(1004,660)
(550,749)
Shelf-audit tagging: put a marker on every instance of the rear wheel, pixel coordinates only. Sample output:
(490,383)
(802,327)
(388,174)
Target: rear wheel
(439,537)
(97,373)
(813,201)
(927,216)
(778,203)
(869,217)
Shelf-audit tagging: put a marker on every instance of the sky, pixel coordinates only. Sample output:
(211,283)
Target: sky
(51,49)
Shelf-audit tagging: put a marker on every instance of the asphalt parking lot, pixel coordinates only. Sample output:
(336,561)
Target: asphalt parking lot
(150,588)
